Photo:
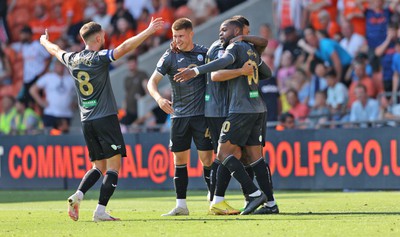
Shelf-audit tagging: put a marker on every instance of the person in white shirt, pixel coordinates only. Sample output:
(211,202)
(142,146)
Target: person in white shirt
(337,96)
(364,108)
(351,42)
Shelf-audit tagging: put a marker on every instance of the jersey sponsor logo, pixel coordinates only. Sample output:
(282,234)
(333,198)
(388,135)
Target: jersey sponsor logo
(180,60)
(253,94)
(89,103)
(115,147)
(200,57)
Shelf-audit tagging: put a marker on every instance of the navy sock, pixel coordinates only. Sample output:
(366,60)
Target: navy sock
(206,176)
(89,180)
(223,178)
(263,177)
(213,177)
(238,172)
(181,181)
(110,182)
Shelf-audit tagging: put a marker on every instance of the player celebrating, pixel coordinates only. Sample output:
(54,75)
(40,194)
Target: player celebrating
(90,69)
(186,108)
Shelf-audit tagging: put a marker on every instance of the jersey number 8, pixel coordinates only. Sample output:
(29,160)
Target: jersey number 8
(85,87)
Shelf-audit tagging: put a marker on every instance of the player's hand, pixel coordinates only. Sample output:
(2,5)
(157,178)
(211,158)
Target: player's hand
(44,37)
(165,105)
(247,69)
(185,75)
(155,25)
(173,47)
(236,39)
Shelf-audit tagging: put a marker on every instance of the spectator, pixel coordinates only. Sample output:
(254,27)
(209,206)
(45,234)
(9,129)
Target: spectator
(319,113)
(289,43)
(162,9)
(59,89)
(4,31)
(337,96)
(386,51)
(286,121)
(301,83)
(40,22)
(329,25)
(313,7)
(288,13)
(36,61)
(136,7)
(350,12)
(299,110)
(121,32)
(58,25)
(364,108)
(101,16)
(396,69)
(26,121)
(61,126)
(135,88)
(8,114)
(317,82)
(364,79)
(285,71)
(352,42)
(270,94)
(203,10)
(377,18)
(5,68)
(178,3)
(122,12)
(328,50)
(265,31)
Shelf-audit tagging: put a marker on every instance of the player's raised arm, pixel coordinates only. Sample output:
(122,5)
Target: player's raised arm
(52,48)
(133,42)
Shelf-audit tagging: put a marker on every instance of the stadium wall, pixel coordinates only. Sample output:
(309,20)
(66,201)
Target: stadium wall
(364,159)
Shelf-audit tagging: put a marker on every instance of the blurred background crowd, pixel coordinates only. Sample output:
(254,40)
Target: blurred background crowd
(335,63)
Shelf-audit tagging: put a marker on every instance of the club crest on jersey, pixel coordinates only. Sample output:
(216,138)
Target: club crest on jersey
(103,52)
(251,52)
(200,57)
(160,62)
(220,53)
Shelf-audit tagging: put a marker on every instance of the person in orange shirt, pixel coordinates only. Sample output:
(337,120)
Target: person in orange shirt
(61,127)
(299,110)
(40,22)
(331,27)
(161,9)
(286,121)
(350,11)
(122,32)
(315,6)
(58,26)
(364,79)
(73,11)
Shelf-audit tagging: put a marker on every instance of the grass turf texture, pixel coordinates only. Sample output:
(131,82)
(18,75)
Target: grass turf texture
(43,213)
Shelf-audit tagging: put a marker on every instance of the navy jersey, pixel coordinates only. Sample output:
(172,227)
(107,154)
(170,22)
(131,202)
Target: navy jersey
(243,91)
(90,69)
(187,97)
(216,98)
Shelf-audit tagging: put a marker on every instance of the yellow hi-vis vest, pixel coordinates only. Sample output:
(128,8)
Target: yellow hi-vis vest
(5,121)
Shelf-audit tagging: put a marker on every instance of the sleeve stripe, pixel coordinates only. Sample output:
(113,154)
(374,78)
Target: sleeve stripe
(233,57)
(62,57)
(111,55)
(260,63)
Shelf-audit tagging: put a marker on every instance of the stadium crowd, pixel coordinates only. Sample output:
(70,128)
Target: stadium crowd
(336,63)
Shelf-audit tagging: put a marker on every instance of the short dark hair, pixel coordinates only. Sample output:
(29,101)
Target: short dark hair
(89,29)
(182,24)
(241,19)
(233,22)
(284,116)
(314,63)
(331,73)
(26,29)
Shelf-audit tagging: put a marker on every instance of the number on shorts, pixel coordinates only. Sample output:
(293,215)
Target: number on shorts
(226,126)
(85,87)
(207,134)
(254,76)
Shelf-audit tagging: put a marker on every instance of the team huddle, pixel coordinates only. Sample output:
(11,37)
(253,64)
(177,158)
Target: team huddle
(215,102)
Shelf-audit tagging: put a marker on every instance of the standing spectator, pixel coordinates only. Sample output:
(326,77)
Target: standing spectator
(60,95)
(286,121)
(40,21)
(337,96)
(319,113)
(162,9)
(121,32)
(386,51)
(286,70)
(8,114)
(58,25)
(364,108)
(329,25)
(352,42)
(396,69)
(121,11)
(203,10)
(26,121)
(350,11)
(317,82)
(135,88)
(270,94)
(290,39)
(36,61)
(299,110)
(102,16)
(288,13)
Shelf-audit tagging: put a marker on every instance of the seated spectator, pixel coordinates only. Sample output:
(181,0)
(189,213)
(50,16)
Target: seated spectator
(58,26)
(364,108)
(396,68)
(121,11)
(300,83)
(224,5)
(40,21)
(122,32)
(285,71)
(59,89)
(329,25)
(364,79)
(317,82)
(26,121)
(320,112)
(7,115)
(5,68)
(299,110)
(351,42)
(152,120)
(265,31)
(61,126)
(101,16)
(286,121)
(337,96)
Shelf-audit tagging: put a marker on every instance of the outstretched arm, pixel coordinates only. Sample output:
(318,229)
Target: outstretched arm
(52,48)
(133,42)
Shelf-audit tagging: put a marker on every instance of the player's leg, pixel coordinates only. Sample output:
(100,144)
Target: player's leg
(180,142)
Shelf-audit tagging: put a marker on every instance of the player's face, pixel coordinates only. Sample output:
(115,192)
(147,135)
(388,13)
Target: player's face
(183,39)
(226,33)
(246,30)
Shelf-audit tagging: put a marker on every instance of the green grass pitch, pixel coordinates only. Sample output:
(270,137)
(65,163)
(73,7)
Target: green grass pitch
(43,213)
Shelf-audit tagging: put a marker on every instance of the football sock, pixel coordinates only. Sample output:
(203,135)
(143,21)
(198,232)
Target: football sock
(270,203)
(181,203)
(249,171)
(218,199)
(110,182)
(181,181)
(263,177)
(206,174)
(213,177)
(100,208)
(89,180)
(237,171)
(223,178)
(255,194)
